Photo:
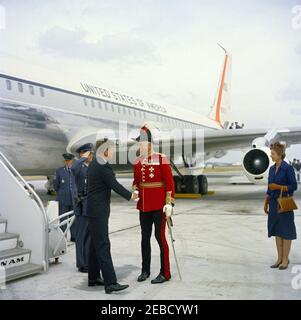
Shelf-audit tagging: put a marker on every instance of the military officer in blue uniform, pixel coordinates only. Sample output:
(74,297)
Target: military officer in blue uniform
(64,185)
(80,169)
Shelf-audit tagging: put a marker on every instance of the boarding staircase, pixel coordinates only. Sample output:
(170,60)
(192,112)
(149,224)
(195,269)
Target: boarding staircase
(13,258)
(24,239)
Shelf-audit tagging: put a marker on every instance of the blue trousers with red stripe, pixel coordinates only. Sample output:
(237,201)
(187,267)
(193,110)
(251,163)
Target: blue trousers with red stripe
(147,220)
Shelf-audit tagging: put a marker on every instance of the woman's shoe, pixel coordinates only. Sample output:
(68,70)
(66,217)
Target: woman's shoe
(284,267)
(276,265)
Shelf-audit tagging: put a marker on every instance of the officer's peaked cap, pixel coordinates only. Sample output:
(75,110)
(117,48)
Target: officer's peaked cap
(85,147)
(68,156)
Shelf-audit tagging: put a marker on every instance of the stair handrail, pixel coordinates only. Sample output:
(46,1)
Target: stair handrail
(38,201)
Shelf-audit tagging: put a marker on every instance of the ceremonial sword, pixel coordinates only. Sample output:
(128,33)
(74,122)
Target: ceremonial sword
(169,224)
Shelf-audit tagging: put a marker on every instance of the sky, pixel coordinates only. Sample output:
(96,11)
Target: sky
(166,51)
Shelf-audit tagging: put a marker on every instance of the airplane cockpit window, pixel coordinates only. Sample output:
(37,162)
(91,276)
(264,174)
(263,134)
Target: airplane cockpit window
(31,89)
(8,85)
(42,93)
(20,87)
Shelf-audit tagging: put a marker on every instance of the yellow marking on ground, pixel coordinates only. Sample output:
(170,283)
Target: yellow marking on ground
(188,196)
(192,195)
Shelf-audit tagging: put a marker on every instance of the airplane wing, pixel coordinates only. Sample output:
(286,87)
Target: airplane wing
(242,138)
(214,140)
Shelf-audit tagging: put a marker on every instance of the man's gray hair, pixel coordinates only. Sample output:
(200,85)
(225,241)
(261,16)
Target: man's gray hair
(104,144)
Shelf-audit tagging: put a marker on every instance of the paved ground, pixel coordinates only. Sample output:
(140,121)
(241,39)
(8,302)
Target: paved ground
(221,242)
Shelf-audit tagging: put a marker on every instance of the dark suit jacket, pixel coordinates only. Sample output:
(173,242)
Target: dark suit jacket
(101,180)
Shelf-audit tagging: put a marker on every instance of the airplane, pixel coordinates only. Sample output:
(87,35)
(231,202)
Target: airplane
(42,116)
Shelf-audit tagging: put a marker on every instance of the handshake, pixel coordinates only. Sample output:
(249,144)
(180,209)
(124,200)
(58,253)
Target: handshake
(135,195)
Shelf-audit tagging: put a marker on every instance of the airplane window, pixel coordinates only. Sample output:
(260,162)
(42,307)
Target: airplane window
(31,89)
(99,105)
(20,87)
(8,85)
(118,109)
(92,103)
(42,92)
(112,107)
(85,101)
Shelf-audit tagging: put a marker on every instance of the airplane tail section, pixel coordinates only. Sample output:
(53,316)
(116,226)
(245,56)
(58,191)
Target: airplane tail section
(221,106)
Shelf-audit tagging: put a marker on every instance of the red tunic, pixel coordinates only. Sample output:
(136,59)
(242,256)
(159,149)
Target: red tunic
(153,178)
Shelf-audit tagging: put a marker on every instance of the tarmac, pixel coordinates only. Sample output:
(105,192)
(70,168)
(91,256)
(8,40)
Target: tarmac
(221,243)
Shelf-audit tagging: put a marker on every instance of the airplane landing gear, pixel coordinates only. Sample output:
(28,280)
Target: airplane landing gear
(190,183)
(203,184)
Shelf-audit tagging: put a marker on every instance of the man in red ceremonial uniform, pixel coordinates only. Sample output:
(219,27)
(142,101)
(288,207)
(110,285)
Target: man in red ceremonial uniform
(154,181)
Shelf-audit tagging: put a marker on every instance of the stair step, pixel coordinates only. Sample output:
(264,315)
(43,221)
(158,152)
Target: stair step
(22,271)
(8,241)
(14,257)
(3,225)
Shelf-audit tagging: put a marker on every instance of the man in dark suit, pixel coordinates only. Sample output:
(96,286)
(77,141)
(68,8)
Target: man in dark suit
(101,180)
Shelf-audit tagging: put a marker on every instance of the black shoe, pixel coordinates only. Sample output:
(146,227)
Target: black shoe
(83,270)
(143,276)
(159,279)
(115,287)
(276,265)
(284,267)
(97,282)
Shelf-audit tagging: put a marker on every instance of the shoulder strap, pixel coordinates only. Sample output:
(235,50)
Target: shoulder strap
(281,192)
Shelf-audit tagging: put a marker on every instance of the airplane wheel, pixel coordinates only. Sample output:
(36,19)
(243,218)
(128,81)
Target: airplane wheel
(178,184)
(203,184)
(191,184)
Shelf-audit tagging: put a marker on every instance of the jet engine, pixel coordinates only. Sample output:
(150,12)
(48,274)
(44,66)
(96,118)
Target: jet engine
(256,164)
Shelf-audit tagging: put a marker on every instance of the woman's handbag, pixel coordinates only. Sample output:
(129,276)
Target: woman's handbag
(286,204)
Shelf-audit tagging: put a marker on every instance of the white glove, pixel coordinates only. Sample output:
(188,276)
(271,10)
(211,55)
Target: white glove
(167,209)
(86,154)
(135,196)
